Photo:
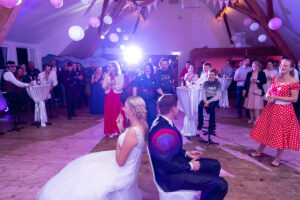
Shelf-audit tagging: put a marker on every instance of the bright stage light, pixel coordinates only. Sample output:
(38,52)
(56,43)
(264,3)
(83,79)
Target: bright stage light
(132,54)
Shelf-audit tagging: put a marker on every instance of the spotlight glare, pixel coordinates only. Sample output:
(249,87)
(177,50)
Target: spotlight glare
(102,37)
(132,54)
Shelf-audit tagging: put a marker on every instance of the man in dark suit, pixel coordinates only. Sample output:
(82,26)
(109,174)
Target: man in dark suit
(176,168)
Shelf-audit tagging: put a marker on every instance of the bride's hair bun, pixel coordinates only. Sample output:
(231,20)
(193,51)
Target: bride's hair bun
(137,104)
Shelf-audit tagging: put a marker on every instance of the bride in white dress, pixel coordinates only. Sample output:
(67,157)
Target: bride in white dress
(97,176)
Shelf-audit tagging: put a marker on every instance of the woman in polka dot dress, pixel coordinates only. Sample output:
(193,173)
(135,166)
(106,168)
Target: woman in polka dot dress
(278,126)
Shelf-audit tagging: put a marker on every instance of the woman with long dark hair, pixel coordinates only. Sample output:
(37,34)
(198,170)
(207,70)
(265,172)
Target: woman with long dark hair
(97,95)
(277,126)
(145,86)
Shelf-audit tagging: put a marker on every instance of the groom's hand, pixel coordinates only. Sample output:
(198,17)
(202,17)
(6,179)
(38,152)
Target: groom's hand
(196,165)
(194,154)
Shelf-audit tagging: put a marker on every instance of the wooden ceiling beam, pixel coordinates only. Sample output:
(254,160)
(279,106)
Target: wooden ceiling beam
(270,9)
(7,18)
(259,15)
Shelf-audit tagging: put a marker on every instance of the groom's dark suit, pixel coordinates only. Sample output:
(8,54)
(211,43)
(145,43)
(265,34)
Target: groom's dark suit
(174,172)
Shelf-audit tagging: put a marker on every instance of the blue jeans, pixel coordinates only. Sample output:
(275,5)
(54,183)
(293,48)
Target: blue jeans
(211,111)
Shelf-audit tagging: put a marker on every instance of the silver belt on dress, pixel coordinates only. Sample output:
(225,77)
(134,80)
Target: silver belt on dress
(282,102)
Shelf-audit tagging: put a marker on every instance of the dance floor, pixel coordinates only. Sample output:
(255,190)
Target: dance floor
(31,157)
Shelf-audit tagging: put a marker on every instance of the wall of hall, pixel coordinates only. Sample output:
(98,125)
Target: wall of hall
(171,29)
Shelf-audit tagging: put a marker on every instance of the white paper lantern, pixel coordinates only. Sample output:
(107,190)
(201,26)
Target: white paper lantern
(119,30)
(57,3)
(107,19)
(9,3)
(275,23)
(254,26)
(76,33)
(125,37)
(113,37)
(122,47)
(234,38)
(247,21)
(262,38)
(238,45)
(94,22)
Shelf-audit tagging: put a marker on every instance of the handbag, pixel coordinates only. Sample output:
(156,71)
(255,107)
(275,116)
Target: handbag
(257,92)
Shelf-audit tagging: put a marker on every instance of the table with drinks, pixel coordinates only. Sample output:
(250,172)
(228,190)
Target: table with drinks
(39,93)
(189,98)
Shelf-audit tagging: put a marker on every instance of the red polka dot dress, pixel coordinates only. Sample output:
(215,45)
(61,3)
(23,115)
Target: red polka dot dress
(277,126)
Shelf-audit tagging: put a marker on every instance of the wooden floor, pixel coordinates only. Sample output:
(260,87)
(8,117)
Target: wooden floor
(31,157)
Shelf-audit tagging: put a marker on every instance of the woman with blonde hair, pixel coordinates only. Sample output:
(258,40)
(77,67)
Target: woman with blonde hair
(113,83)
(253,91)
(277,125)
(107,174)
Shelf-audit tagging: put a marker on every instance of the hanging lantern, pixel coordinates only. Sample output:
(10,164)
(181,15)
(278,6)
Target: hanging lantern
(262,38)
(107,19)
(94,22)
(9,3)
(254,26)
(57,3)
(125,37)
(76,33)
(275,23)
(113,37)
(247,21)
(119,30)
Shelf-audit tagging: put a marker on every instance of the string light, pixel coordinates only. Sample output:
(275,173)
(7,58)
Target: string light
(222,13)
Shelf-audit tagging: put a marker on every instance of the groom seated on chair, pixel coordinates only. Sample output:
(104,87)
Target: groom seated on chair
(176,168)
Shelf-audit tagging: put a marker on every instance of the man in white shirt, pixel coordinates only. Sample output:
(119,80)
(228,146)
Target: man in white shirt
(10,87)
(204,74)
(48,77)
(240,77)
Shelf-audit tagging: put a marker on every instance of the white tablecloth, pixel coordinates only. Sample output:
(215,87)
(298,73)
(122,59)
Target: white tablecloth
(189,100)
(225,83)
(39,93)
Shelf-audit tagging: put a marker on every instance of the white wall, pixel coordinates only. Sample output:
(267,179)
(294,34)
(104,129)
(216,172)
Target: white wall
(163,32)
(12,52)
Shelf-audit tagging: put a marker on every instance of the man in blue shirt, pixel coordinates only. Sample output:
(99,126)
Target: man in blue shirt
(240,77)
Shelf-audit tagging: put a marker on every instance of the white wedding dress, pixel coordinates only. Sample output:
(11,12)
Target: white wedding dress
(96,176)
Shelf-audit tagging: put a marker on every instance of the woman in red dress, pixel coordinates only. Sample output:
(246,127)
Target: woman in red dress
(278,126)
(112,84)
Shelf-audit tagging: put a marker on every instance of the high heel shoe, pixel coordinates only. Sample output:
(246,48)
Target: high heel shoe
(275,163)
(255,154)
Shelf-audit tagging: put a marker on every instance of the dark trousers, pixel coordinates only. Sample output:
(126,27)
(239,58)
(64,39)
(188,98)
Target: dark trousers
(212,114)
(151,111)
(70,101)
(207,179)
(239,99)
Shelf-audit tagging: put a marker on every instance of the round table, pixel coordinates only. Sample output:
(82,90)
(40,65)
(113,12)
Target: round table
(39,93)
(225,83)
(188,101)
